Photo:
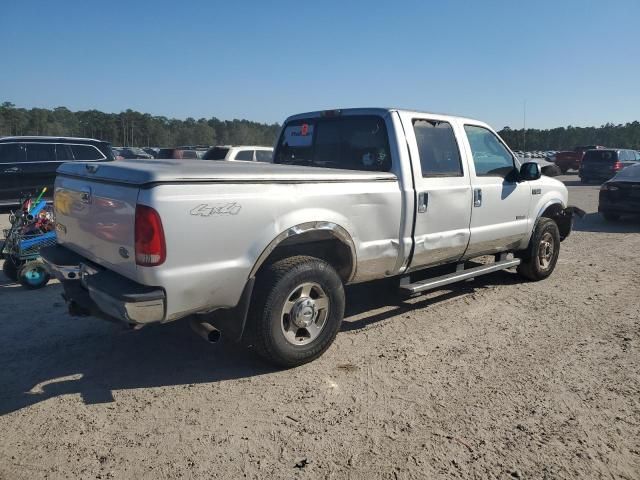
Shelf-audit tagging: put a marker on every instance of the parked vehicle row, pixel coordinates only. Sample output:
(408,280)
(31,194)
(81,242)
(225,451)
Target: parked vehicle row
(261,251)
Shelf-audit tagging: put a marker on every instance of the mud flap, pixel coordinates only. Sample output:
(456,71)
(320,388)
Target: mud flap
(564,219)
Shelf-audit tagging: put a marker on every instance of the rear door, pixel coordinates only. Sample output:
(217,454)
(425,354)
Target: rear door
(443,189)
(499,217)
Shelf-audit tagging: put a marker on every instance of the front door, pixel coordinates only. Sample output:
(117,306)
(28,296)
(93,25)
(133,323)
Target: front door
(500,203)
(443,190)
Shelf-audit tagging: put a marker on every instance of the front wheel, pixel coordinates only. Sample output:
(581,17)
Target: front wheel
(297,310)
(33,275)
(541,257)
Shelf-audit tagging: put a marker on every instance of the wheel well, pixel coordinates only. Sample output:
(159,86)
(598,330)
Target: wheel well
(320,244)
(556,213)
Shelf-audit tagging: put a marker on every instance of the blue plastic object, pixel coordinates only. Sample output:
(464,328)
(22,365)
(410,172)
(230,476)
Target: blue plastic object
(45,238)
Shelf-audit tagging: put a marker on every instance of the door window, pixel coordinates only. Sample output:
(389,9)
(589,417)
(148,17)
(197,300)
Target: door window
(41,152)
(264,156)
(490,157)
(245,155)
(86,153)
(438,149)
(12,153)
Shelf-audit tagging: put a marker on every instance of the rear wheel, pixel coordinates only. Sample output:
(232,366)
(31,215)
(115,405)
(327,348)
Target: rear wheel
(33,275)
(610,217)
(541,257)
(297,310)
(10,269)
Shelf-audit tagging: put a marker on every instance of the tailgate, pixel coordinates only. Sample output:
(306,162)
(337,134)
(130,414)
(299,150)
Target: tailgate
(96,219)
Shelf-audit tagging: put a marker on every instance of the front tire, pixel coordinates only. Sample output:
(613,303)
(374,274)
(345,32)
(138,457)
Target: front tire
(541,257)
(297,310)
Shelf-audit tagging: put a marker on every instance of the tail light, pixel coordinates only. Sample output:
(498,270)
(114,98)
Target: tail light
(617,166)
(149,237)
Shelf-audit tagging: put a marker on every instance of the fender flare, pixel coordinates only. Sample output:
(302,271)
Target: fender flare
(335,230)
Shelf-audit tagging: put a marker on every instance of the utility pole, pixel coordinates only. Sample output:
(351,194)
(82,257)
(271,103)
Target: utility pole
(524,128)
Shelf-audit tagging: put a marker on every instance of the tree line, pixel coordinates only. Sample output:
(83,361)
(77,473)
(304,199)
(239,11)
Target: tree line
(131,128)
(564,138)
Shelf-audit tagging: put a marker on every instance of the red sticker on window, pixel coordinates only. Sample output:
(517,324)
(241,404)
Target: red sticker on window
(304,129)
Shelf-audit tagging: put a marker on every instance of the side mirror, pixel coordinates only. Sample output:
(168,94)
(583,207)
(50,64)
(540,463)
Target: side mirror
(530,171)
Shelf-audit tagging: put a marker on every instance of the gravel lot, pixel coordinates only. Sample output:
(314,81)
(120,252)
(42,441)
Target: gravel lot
(494,378)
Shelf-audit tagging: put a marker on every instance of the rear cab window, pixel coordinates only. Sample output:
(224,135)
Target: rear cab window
(351,142)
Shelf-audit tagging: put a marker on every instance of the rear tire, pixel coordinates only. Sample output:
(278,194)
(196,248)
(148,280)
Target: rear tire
(33,275)
(541,256)
(10,269)
(610,217)
(297,310)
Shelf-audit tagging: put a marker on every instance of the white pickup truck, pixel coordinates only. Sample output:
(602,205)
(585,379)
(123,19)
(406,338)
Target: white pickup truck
(261,252)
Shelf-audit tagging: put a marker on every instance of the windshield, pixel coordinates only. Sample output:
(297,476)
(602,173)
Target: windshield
(355,142)
(216,153)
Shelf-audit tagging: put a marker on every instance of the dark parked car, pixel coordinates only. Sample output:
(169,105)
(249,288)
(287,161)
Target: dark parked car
(621,194)
(134,152)
(29,163)
(604,163)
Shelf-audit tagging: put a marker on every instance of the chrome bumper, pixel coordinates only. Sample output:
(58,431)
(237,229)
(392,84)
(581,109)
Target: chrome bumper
(93,290)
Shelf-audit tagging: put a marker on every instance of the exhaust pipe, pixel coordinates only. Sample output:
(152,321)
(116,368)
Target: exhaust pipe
(205,330)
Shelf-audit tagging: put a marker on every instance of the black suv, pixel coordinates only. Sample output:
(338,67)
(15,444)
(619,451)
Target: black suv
(29,163)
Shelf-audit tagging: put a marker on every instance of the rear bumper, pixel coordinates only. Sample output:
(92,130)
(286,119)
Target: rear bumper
(92,290)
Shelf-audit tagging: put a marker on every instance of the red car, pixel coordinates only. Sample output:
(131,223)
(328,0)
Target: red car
(571,159)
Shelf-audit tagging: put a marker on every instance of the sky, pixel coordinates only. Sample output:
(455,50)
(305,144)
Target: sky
(574,62)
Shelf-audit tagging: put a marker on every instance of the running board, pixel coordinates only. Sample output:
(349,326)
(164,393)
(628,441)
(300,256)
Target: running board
(459,276)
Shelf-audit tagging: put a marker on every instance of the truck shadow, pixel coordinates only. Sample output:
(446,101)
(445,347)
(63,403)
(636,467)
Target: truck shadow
(594,222)
(47,354)
(362,299)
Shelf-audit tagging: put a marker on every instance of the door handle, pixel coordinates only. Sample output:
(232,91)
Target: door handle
(12,170)
(477,197)
(423,200)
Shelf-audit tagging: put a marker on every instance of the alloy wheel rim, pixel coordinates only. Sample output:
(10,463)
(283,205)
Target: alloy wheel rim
(304,314)
(546,250)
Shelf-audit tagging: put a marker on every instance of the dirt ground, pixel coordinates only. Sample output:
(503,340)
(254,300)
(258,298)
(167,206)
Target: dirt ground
(490,379)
